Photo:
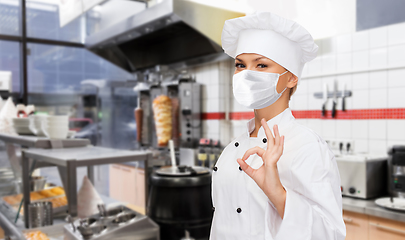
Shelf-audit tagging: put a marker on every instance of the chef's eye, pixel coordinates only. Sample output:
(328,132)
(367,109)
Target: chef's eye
(261,65)
(239,65)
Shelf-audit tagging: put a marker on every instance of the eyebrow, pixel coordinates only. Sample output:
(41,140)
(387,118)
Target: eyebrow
(257,59)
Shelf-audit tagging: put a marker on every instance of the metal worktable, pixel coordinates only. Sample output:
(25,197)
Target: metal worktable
(68,159)
(368,207)
(36,142)
(41,142)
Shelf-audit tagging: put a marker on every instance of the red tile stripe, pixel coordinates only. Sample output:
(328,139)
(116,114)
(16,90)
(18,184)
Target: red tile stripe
(241,115)
(385,113)
(213,116)
(356,114)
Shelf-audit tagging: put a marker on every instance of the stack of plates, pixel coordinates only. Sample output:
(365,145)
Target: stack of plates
(56,126)
(21,126)
(36,124)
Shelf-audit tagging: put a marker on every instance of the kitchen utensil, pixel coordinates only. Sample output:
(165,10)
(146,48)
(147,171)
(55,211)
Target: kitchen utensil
(138,120)
(344,98)
(111,212)
(124,217)
(56,132)
(397,204)
(187,236)
(362,176)
(396,171)
(57,118)
(87,231)
(40,214)
(172,156)
(182,171)
(37,183)
(325,99)
(56,127)
(69,219)
(101,209)
(334,99)
(36,124)
(71,134)
(21,111)
(121,223)
(180,201)
(22,126)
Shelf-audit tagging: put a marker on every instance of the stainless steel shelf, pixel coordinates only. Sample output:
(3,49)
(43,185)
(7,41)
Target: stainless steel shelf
(85,156)
(42,142)
(68,159)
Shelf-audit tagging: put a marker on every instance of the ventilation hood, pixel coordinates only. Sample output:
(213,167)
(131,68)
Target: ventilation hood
(169,32)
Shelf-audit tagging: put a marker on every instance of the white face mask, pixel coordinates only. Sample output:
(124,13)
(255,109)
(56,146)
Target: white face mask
(256,90)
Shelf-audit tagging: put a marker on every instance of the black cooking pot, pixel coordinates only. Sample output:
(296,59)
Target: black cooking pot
(179,200)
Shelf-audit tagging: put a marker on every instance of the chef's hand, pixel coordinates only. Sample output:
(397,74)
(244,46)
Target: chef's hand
(266,177)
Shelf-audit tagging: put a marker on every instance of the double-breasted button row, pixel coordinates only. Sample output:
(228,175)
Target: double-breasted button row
(238,210)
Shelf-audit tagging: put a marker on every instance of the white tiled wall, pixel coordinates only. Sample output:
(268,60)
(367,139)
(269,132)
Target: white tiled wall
(370,63)
(216,94)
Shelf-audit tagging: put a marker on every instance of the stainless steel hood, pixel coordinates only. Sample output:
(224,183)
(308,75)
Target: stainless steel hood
(169,32)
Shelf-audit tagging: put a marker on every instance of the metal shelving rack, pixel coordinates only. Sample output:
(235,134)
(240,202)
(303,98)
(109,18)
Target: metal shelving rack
(68,159)
(12,229)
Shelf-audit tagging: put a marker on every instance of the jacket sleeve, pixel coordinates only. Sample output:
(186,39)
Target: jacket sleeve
(313,208)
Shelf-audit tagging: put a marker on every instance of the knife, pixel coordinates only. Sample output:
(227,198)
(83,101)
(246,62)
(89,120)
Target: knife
(344,98)
(325,99)
(334,100)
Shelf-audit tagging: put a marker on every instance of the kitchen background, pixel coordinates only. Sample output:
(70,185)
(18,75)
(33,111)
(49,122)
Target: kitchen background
(70,69)
(361,46)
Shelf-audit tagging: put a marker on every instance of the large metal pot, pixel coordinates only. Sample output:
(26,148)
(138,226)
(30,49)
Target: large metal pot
(179,200)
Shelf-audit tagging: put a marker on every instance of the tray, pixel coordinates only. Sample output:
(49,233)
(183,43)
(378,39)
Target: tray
(54,232)
(56,210)
(398,204)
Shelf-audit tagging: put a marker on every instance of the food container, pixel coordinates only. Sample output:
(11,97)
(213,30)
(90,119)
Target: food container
(117,223)
(40,214)
(37,183)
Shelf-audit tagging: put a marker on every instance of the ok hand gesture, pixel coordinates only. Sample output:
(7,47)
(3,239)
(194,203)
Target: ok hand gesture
(266,177)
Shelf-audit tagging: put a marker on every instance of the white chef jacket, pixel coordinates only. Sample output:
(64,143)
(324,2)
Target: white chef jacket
(309,174)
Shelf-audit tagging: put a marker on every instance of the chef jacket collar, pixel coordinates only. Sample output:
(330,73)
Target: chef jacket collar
(282,120)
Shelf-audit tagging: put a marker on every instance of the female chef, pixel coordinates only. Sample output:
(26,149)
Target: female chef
(279,180)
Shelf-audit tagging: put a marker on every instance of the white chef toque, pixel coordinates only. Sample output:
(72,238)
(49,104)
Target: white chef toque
(281,40)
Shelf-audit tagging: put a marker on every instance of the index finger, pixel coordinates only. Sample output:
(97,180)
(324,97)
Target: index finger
(268,133)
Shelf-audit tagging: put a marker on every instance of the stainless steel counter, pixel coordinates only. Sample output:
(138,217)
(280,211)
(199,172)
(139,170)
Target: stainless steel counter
(68,159)
(42,142)
(368,207)
(16,230)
